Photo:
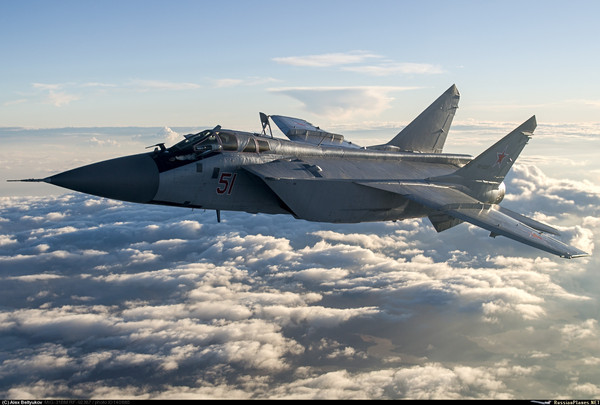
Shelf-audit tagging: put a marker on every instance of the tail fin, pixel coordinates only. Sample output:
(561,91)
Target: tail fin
(427,133)
(483,177)
(492,165)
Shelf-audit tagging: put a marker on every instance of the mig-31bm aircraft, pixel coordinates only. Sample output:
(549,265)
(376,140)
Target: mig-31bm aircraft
(319,176)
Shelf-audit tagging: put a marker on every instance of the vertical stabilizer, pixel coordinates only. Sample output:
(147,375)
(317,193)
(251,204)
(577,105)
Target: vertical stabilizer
(493,164)
(427,133)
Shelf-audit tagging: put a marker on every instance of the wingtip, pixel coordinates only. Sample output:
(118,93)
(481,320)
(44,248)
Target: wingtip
(528,126)
(533,120)
(575,256)
(574,253)
(453,90)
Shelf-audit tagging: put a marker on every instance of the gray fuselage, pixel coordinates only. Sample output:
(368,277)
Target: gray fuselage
(225,177)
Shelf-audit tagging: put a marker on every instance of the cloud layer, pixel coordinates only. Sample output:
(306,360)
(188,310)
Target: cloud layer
(106,299)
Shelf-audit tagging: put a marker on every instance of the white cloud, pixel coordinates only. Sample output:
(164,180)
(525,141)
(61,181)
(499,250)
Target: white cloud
(327,59)
(103,142)
(15,102)
(586,390)
(387,69)
(63,94)
(227,82)
(59,99)
(54,93)
(145,85)
(585,330)
(98,84)
(7,240)
(251,81)
(341,103)
(47,86)
(354,61)
(595,103)
(429,381)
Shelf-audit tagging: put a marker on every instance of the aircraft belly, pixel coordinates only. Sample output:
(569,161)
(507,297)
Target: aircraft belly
(342,201)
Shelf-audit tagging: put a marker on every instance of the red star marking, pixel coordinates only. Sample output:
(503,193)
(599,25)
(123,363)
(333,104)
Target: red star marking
(501,157)
(535,235)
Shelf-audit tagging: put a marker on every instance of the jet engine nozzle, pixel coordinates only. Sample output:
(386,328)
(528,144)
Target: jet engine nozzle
(496,195)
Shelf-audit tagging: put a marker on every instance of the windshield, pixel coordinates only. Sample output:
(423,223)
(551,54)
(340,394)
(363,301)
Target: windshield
(186,146)
(207,143)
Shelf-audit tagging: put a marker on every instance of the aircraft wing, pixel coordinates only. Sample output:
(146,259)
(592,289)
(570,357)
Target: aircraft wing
(295,182)
(499,221)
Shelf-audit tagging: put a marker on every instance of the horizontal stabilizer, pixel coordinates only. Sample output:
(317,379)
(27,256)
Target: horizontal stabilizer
(499,221)
(529,222)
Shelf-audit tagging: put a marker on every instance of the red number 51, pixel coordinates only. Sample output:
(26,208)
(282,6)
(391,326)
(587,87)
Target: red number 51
(226,183)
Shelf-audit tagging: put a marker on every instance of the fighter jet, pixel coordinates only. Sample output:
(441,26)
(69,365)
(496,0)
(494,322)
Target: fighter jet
(317,175)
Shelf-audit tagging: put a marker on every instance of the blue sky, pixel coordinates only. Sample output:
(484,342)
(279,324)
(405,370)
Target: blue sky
(104,299)
(187,63)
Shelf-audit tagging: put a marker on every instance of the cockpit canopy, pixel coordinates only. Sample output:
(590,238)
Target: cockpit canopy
(208,142)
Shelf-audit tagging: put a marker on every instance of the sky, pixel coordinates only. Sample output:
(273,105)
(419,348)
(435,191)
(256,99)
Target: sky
(188,63)
(104,299)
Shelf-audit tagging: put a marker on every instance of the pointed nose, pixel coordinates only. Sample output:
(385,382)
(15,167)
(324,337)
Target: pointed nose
(130,178)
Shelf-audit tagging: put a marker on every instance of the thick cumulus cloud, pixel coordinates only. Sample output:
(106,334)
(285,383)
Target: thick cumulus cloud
(107,299)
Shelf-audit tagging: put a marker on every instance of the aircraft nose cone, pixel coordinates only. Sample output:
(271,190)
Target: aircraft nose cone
(130,178)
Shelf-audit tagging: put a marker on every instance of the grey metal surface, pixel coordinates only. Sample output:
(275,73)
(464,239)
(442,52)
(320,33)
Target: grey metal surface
(131,178)
(428,132)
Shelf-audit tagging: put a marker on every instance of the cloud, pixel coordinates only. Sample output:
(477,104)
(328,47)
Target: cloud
(54,94)
(327,59)
(387,69)
(103,142)
(146,85)
(15,102)
(168,135)
(47,86)
(98,85)
(543,193)
(354,61)
(61,94)
(595,103)
(251,81)
(227,82)
(6,240)
(102,298)
(341,103)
